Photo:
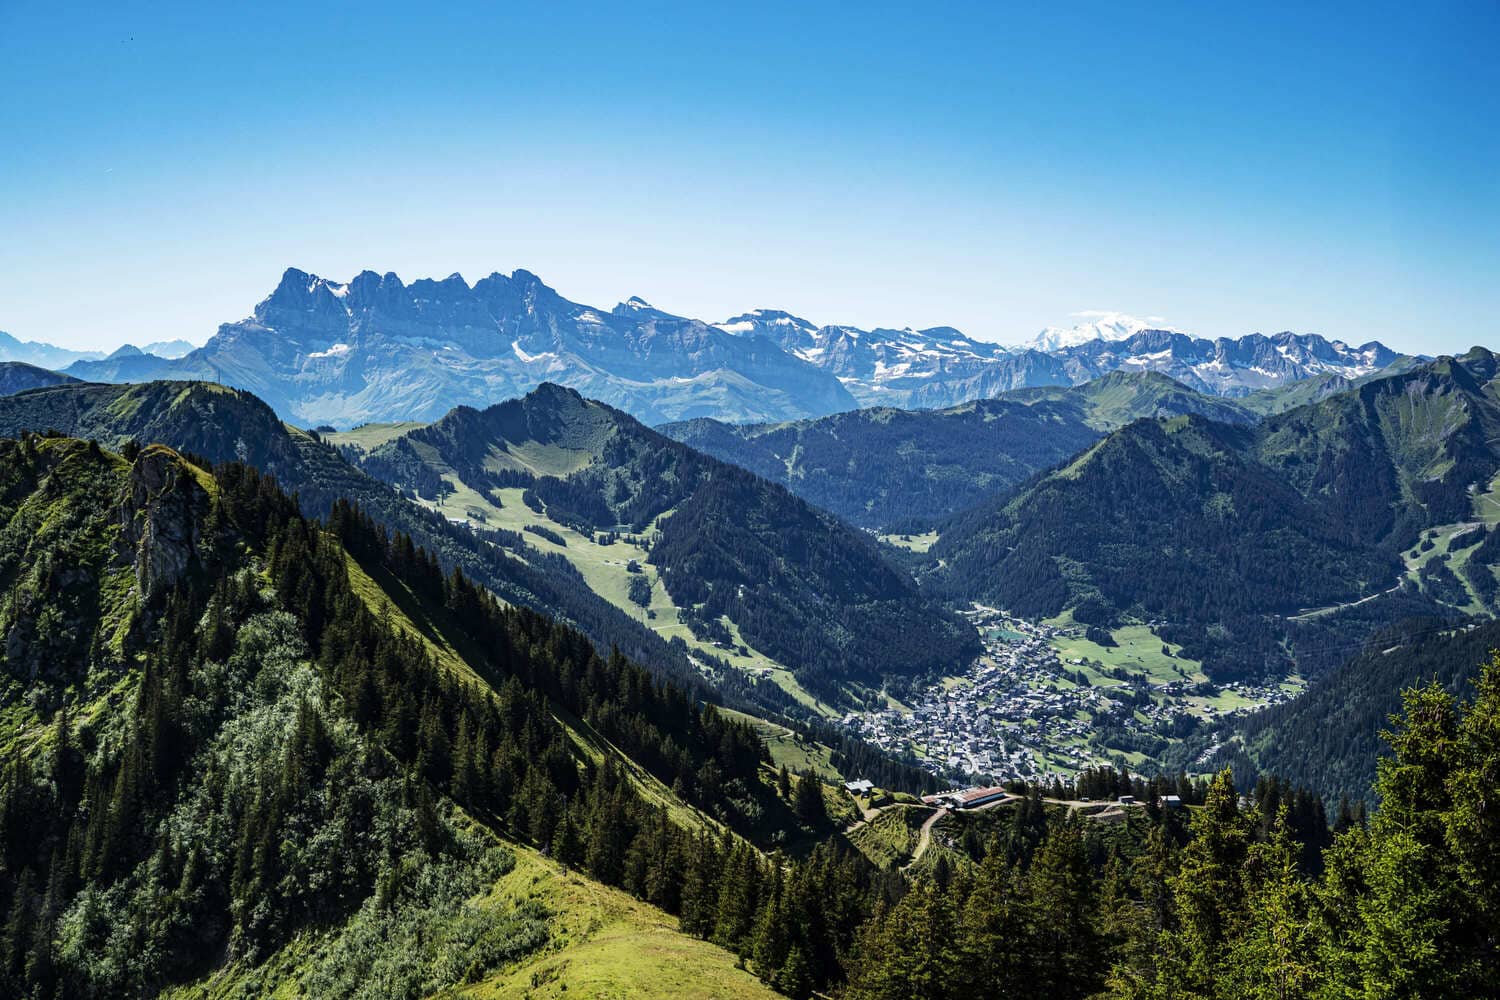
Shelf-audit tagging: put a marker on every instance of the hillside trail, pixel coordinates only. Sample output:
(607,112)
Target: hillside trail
(925,837)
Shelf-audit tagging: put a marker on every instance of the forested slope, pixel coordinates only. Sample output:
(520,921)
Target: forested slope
(1230,534)
(905,469)
(1328,739)
(217,745)
(799,585)
(225,424)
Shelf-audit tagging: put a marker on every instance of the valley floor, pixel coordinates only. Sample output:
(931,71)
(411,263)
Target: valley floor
(1045,702)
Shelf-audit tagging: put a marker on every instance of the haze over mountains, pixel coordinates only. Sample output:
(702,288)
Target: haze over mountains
(375,348)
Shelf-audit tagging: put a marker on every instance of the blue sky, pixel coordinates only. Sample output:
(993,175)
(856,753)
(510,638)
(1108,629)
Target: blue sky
(1333,171)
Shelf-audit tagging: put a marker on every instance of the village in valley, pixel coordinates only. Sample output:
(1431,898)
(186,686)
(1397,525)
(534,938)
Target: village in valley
(1045,702)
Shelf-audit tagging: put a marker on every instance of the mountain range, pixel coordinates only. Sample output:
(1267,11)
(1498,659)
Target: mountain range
(460,732)
(812,603)
(47,356)
(942,367)
(374,348)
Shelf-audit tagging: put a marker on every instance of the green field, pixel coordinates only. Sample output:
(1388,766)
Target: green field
(606,944)
(912,543)
(1442,543)
(790,750)
(1138,650)
(889,839)
(371,436)
(601,943)
(605,570)
(1487,504)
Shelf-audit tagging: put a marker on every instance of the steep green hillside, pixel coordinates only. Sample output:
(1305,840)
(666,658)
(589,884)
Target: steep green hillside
(682,539)
(233,766)
(1164,519)
(1398,454)
(901,469)
(223,424)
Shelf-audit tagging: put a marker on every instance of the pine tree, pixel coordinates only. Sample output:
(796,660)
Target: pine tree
(1061,900)
(1208,890)
(1274,958)
(809,804)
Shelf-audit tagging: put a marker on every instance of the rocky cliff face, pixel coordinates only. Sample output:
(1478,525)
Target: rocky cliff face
(161,513)
(374,348)
(88,542)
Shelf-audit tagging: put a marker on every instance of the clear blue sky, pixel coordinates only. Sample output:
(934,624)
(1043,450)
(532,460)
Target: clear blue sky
(1332,171)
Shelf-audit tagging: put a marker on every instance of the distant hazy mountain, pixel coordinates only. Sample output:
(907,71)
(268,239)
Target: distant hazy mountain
(17,377)
(33,352)
(882,467)
(1227,367)
(941,366)
(883,367)
(169,348)
(131,364)
(1095,326)
(375,348)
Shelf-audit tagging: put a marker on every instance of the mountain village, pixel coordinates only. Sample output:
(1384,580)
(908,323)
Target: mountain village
(1020,710)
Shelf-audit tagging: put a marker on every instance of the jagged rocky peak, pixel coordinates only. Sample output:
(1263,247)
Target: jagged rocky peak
(637,307)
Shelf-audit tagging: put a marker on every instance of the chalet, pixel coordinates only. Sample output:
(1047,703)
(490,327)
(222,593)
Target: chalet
(1171,801)
(1127,800)
(860,787)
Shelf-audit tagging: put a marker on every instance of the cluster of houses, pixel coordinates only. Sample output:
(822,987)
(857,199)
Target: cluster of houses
(1017,714)
(1003,718)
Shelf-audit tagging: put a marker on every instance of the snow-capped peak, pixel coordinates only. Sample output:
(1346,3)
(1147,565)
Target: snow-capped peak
(763,320)
(1094,324)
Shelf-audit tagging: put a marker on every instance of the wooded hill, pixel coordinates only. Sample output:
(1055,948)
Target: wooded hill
(241,744)
(795,583)
(901,470)
(1328,739)
(225,425)
(1227,532)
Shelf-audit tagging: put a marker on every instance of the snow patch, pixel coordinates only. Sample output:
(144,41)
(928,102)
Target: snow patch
(515,345)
